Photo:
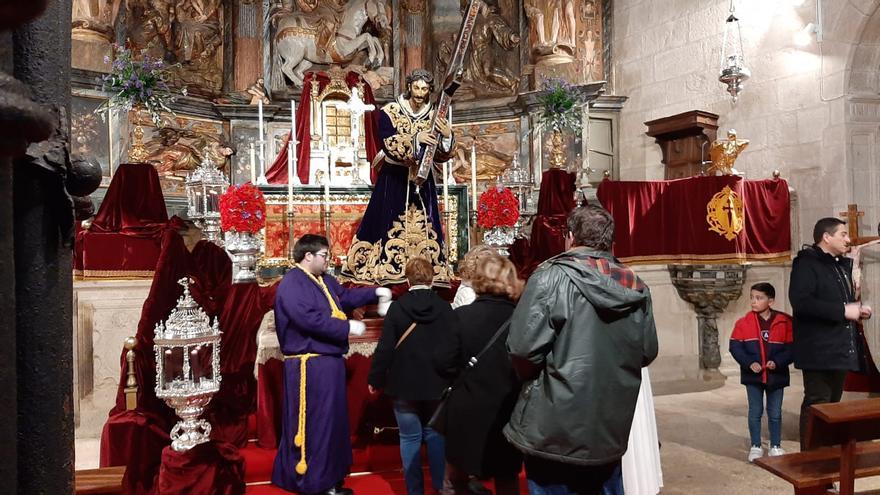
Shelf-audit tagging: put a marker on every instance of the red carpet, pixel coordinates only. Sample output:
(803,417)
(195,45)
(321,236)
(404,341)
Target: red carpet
(377,472)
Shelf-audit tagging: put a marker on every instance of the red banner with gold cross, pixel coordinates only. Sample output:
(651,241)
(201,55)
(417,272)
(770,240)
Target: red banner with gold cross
(699,220)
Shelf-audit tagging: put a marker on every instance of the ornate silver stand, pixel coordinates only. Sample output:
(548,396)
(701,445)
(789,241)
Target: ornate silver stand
(709,288)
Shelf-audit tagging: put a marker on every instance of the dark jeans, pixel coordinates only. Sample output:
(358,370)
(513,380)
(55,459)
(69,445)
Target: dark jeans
(412,418)
(820,387)
(755,395)
(555,478)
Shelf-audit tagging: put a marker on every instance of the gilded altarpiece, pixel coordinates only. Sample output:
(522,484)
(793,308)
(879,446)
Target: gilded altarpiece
(186,32)
(567,39)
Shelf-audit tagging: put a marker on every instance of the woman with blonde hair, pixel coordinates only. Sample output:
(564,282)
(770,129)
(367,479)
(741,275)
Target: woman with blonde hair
(483,397)
(466,269)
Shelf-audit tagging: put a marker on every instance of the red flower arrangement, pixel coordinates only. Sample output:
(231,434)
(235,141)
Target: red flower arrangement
(243,209)
(497,207)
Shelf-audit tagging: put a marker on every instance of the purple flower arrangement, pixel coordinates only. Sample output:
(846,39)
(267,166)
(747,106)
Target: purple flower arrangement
(562,105)
(131,82)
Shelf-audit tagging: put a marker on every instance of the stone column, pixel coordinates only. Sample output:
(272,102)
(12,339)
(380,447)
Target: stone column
(42,237)
(709,288)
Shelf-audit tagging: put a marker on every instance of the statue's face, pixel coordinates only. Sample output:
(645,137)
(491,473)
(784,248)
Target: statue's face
(419,92)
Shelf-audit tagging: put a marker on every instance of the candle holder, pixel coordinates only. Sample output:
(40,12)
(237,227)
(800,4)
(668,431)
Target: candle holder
(204,186)
(290,234)
(447,222)
(473,228)
(326,217)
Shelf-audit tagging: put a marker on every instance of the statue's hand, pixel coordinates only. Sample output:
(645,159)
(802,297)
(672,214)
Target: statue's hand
(444,129)
(425,137)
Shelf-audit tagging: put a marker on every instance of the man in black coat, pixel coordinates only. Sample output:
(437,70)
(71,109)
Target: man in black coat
(825,311)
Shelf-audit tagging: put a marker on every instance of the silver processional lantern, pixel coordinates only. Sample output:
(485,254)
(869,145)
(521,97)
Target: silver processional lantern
(204,186)
(187,349)
(733,71)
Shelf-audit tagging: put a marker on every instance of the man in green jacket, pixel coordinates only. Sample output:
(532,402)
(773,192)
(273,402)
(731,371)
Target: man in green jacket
(581,333)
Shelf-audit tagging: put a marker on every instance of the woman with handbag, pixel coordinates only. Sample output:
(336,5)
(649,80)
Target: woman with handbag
(485,390)
(417,324)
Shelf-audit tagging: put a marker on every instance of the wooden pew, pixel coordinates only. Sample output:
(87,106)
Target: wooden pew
(841,446)
(103,481)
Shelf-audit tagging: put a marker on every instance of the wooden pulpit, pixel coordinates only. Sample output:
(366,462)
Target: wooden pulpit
(684,140)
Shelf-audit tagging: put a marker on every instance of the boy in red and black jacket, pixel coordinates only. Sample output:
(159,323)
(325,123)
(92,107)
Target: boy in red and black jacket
(761,343)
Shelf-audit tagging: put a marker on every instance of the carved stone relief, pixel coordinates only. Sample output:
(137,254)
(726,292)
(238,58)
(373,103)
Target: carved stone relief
(496,146)
(187,32)
(332,33)
(491,64)
(566,33)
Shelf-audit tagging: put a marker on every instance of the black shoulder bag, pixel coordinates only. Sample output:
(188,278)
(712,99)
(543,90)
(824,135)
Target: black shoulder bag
(440,412)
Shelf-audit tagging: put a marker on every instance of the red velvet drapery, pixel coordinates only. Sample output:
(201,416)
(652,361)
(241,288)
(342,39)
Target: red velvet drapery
(277,173)
(209,468)
(555,201)
(666,221)
(124,239)
(136,438)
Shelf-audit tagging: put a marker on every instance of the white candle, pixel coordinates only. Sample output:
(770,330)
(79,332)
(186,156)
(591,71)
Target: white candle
(253,166)
(262,137)
(474,175)
(327,193)
(291,149)
(293,120)
(445,187)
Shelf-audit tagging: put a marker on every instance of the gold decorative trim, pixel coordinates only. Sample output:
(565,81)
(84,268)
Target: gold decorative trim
(383,263)
(112,274)
(781,257)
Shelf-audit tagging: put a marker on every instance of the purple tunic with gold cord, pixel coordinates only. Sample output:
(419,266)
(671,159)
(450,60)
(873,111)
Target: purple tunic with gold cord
(399,222)
(305,326)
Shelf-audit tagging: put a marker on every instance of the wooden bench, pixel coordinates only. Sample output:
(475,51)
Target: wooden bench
(103,481)
(839,446)
(813,470)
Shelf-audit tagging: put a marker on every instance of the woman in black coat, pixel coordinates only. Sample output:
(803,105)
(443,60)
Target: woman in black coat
(480,404)
(403,367)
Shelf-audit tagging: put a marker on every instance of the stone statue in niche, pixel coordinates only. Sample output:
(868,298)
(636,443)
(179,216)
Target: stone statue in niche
(330,33)
(92,32)
(555,27)
(95,17)
(184,31)
(483,74)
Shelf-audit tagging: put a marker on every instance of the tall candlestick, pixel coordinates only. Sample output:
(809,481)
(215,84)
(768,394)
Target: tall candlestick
(291,149)
(253,166)
(293,120)
(445,186)
(327,192)
(262,138)
(474,175)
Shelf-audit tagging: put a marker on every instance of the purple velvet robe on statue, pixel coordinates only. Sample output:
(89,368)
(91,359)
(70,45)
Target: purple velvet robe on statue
(304,325)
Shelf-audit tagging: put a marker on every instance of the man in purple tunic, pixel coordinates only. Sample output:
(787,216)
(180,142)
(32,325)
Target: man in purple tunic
(314,454)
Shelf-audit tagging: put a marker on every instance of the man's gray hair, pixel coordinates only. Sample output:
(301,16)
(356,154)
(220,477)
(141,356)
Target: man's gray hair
(592,226)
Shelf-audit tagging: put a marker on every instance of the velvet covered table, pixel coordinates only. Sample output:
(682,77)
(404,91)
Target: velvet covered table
(124,238)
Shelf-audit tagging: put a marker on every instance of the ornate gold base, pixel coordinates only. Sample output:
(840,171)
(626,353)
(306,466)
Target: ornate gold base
(557,152)
(137,152)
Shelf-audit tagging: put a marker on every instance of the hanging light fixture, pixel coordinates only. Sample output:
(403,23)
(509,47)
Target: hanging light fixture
(733,70)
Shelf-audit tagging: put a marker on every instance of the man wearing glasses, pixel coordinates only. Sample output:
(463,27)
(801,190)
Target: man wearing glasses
(314,454)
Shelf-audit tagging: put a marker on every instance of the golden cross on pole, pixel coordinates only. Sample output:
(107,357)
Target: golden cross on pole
(852,215)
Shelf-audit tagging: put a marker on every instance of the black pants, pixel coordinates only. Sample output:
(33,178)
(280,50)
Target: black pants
(820,387)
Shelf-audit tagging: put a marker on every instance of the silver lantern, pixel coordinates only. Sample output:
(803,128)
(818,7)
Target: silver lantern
(204,186)
(733,71)
(187,368)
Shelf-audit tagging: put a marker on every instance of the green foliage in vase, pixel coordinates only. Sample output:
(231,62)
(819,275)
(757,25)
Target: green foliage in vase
(137,81)
(562,105)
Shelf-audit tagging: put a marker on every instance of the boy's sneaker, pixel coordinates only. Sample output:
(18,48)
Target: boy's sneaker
(775,451)
(755,452)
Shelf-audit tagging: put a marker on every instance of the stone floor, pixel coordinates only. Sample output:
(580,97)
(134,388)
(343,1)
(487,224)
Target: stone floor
(704,440)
